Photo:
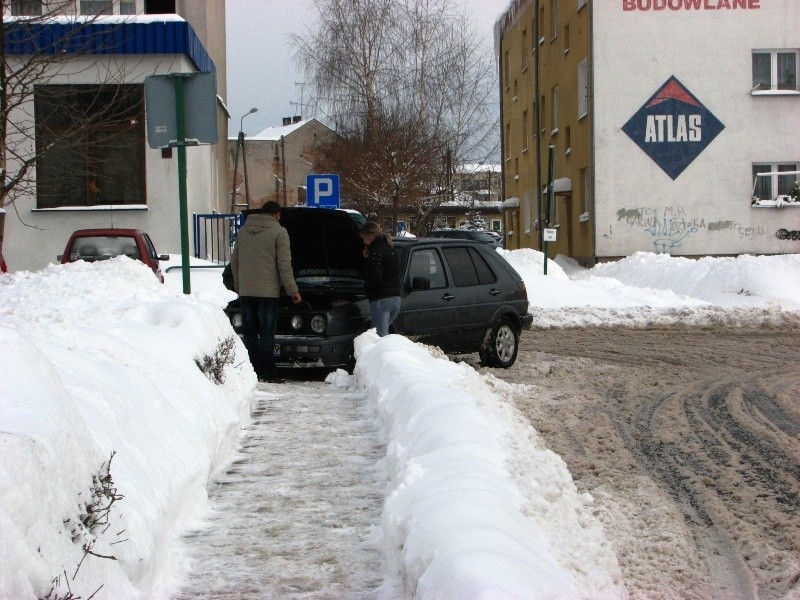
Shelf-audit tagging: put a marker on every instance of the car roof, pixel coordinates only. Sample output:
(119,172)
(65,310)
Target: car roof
(441,241)
(107,232)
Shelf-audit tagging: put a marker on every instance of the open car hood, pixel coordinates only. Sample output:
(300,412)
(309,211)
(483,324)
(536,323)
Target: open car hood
(326,245)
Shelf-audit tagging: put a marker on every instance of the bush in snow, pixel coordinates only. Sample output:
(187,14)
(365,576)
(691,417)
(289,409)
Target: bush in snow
(213,365)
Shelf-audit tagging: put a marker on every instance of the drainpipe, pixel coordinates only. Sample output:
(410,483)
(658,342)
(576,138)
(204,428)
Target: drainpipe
(540,216)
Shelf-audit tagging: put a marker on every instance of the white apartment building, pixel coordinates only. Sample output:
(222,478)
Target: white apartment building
(104,174)
(674,125)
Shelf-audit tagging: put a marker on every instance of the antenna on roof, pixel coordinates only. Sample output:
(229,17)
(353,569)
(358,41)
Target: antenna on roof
(301,105)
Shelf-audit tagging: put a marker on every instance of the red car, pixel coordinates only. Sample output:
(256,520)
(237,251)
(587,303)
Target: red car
(101,244)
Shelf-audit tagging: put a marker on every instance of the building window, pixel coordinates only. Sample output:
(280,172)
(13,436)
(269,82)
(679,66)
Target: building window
(581,4)
(127,7)
(554,109)
(524,49)
(526,212)
(769,187)
(97,7)
(524,130)
(107,7)
(542,113)
(583,88)
(775,70)
(566,39)
(553,19)
(506,66)
(567,140)
(507,141)
(26,8)
(94,135)
(585,188)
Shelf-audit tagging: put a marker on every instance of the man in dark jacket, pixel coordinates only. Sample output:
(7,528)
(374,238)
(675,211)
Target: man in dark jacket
(381,277)
(261,263)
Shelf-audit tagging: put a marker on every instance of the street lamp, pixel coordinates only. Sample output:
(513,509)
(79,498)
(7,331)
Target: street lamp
(249,112)
(240,146)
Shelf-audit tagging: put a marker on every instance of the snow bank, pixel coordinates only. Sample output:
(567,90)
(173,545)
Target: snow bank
(478,507)
(646,290)
(99,359)
(742,281)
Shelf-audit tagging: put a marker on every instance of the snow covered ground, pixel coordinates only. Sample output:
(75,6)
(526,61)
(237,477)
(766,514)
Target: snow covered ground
(118,407)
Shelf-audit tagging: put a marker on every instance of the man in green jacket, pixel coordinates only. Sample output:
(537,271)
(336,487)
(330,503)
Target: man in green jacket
(261,264)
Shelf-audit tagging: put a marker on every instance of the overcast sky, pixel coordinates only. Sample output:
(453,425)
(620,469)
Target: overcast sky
(261,71)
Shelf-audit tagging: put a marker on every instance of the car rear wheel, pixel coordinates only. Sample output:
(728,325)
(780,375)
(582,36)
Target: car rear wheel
(501,346)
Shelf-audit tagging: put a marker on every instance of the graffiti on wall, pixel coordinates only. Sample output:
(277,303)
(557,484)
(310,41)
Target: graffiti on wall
(785,234)
(746,233)
(670,225)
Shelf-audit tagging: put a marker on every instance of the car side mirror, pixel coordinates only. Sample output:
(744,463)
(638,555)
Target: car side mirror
(59,257)
(420,283)
(163,257)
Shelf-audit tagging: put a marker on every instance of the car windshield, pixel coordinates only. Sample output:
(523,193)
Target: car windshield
(103,247)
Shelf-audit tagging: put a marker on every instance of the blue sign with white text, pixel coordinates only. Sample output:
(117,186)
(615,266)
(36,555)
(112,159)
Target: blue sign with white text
(673,127)
(322,191)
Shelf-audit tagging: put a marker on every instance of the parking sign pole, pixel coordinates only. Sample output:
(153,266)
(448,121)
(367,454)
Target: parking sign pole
(549,206)
(180,116)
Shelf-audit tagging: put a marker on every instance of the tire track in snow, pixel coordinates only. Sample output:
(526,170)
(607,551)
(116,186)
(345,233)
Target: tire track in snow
(689,440)
(293,516)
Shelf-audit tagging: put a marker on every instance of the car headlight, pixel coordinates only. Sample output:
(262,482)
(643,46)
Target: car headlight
(318,324)
(296,322)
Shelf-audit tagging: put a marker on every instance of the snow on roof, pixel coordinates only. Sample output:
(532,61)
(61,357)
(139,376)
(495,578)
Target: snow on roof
(96,19)
(480,168)
(271,134)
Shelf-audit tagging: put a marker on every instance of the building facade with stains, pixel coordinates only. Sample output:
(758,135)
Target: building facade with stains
(672,126)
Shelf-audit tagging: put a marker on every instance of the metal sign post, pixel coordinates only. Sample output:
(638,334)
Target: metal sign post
(180,118)
(169,125)
(549,207)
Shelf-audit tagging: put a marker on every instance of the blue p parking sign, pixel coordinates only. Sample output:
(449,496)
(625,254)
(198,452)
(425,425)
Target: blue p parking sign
(322,191)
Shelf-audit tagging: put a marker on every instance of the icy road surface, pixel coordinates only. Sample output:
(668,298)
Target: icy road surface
(294,515)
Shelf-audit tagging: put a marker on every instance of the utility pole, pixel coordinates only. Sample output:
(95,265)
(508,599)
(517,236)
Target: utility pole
(240,148)
(283,167)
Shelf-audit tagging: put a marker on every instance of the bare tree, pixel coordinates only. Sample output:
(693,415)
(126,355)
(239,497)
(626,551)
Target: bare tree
(410,92)
(56,125)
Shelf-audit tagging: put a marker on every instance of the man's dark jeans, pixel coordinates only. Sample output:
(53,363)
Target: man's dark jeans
(259,316)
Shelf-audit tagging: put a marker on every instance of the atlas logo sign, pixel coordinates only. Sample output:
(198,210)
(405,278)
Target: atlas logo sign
(673,127)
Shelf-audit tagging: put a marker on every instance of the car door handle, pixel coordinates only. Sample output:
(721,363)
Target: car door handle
(493,292)
(448,297)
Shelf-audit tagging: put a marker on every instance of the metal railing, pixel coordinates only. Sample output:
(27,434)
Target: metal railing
(215,235)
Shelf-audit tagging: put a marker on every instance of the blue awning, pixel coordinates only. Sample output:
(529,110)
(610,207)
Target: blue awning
(25,37)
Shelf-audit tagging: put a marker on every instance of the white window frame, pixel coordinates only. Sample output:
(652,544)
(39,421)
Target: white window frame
(773,88)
